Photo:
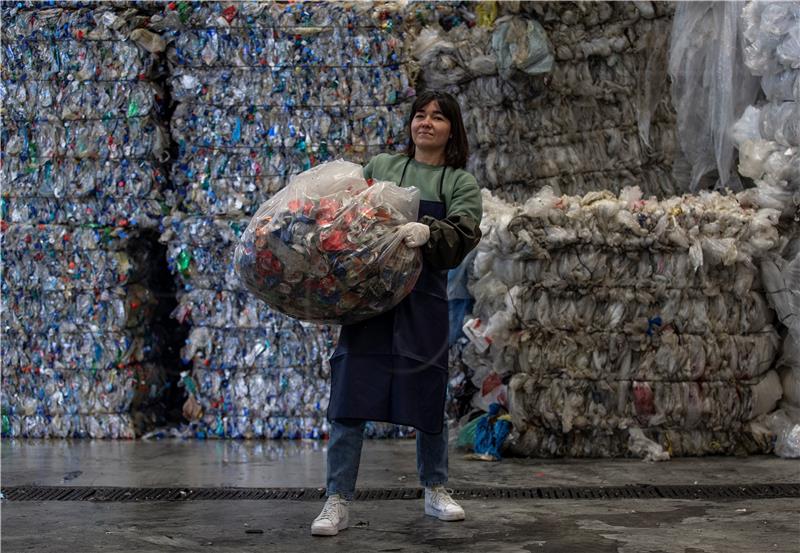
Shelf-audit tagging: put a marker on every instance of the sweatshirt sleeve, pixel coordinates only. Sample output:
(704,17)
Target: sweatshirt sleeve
(369,168)
(453,237)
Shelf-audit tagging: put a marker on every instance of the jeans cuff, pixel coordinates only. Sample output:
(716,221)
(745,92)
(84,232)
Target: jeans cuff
(343,495)
(433,484)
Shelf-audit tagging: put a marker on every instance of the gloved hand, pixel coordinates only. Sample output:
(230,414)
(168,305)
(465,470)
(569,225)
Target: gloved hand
(415,235)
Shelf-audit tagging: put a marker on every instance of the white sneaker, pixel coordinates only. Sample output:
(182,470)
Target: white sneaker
(334,517)
(439,504)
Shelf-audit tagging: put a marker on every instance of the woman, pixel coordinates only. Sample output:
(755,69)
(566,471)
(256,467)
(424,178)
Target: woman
(393,367)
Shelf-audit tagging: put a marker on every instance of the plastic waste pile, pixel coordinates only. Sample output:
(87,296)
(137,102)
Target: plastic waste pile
(768,140)
(614,324)
(265,91)
(82,150)
(571,96)
(326,249)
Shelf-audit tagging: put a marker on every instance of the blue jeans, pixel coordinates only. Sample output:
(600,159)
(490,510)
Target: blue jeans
(344,456)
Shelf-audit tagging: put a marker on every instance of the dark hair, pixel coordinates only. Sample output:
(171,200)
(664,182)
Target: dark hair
(457,149)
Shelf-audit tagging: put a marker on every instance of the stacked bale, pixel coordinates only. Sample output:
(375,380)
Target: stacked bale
(560,94)
(82,147)
(629,325)
(264,91)
(768,139)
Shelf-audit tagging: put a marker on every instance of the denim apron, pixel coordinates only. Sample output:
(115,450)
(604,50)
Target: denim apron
(394,367)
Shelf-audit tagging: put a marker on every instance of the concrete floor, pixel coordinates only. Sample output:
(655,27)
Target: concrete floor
(614,525)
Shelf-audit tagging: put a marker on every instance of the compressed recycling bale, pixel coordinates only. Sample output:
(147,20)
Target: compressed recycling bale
(563,404)
(662,356)
(100,426)
(98,310)
(301,346)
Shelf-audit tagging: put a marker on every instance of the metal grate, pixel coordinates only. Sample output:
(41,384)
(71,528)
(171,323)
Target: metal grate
(716,492)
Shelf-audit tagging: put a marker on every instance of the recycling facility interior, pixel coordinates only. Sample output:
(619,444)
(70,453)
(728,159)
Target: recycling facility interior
(637,284)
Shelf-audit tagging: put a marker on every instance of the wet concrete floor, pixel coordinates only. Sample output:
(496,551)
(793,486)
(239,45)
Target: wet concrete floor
(492,525)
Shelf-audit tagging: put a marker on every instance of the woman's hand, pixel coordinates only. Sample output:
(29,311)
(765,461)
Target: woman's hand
(415,235)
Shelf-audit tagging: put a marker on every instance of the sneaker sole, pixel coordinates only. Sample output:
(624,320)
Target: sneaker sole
(324,531)
(329,531)
(443,516)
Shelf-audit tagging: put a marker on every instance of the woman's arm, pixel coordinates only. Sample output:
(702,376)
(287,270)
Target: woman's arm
(455,236)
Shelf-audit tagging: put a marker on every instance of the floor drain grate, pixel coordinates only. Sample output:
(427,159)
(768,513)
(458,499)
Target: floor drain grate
(717,492)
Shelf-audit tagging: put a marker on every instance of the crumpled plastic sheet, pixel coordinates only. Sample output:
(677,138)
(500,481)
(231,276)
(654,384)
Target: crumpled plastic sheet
(771,36)
(291,87)
(78,392)
(82,178)
(662,356)
(768,134)
(562,405)
(99,310)
(529,121)
(286,343)
(706,48)
(108,426)
(783,86)
(540,442)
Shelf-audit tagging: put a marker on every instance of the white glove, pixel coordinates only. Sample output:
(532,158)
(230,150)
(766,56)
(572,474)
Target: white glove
(415,234)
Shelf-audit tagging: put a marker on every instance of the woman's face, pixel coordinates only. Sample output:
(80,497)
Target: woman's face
(430,130)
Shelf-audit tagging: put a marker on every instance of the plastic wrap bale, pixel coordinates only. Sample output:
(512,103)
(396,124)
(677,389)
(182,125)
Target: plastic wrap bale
(662,356)
(705,48)
(526,134)
(767,134)
(674,442)
(326,248)
(614,312)
(562,404)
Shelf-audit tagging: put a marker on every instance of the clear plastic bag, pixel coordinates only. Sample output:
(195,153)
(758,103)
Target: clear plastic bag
(327,247)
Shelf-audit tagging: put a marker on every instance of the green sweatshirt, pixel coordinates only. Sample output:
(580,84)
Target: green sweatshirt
(455,236)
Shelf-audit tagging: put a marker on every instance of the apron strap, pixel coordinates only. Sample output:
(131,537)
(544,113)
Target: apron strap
(441,180)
